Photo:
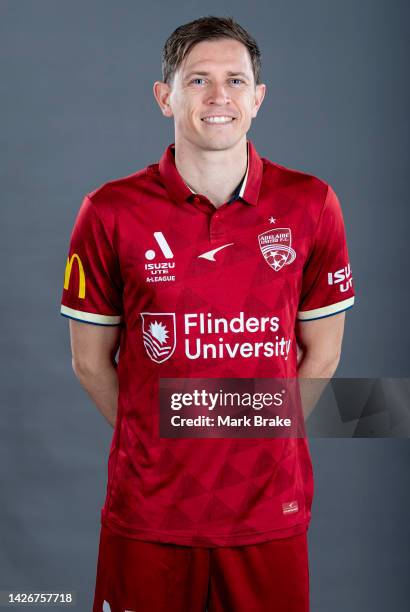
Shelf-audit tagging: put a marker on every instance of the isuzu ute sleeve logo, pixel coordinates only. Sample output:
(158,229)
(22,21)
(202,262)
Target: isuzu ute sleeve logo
(342,277)
(276,248)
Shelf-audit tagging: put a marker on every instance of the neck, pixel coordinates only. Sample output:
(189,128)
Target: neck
(214,174)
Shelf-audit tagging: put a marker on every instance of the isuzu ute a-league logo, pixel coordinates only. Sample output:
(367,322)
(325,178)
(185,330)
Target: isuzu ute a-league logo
(160,271)
(276,248)
(159,334)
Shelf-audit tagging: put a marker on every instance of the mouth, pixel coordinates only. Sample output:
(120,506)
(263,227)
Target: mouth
(218,119)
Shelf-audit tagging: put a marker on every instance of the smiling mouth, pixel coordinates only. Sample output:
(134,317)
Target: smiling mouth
(218,120)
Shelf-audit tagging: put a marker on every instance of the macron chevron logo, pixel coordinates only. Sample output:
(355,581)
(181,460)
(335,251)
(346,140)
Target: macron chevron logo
(210,255)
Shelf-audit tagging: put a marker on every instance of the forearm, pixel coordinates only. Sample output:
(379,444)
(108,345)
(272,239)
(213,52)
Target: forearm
(314,373)
(101,385)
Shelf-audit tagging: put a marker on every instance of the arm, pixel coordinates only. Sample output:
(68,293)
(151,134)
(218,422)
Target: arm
(319,347)
(93,349)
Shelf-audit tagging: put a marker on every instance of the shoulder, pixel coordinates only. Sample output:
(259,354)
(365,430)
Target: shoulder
(119,193)
(299,187)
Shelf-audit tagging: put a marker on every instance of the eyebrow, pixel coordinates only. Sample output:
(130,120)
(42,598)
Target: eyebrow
(204,73)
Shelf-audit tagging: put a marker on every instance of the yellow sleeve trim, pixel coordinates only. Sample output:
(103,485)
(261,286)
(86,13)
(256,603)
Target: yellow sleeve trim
(90,317)
(325,311)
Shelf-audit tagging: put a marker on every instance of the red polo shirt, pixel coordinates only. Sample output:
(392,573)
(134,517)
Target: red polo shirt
(150,255)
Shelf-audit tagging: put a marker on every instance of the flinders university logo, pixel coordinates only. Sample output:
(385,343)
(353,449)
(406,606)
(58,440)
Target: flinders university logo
(276,248)
(81,276)
(159,334)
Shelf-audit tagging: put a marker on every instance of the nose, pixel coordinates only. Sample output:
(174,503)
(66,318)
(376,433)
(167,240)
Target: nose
(218,94)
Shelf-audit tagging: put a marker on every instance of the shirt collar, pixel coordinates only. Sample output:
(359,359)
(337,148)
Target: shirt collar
(238,191)
(179,191)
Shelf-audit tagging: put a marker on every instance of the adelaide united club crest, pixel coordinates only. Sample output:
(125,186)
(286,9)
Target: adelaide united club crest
(159,334)
(276,247)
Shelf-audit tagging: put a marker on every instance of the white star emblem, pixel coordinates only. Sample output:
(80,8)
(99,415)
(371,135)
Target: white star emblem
(272,220)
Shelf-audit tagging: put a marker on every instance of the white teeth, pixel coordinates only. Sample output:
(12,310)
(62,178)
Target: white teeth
(217,119)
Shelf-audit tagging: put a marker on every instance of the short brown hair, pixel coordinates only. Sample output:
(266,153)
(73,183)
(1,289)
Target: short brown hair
(181,41)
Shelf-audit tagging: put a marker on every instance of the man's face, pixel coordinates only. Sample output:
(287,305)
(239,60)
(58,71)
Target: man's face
(213,97)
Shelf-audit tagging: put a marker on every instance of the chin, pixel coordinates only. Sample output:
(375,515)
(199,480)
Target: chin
(219,144)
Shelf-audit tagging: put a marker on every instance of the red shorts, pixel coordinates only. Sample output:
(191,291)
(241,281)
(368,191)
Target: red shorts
(134,575)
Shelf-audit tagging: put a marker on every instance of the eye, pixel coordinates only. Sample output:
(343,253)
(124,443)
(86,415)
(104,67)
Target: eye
(237,81)
(196,79)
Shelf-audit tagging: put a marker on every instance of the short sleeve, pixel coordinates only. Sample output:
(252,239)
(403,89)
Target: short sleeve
(92,283)
(327,286)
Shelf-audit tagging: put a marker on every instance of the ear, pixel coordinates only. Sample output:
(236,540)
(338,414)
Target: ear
(162,92)
(260,91)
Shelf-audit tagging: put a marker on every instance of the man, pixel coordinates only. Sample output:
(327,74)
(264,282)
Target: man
(213,263)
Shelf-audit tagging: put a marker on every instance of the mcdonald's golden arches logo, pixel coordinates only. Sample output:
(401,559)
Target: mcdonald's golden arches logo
(81,275)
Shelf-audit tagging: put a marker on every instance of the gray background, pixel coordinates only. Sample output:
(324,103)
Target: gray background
(77,110)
